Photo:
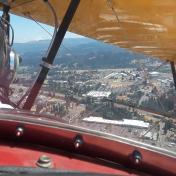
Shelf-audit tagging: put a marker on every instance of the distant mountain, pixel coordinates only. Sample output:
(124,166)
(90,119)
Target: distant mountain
(81,53)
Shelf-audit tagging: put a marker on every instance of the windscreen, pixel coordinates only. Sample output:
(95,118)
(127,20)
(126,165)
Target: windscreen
(98,86)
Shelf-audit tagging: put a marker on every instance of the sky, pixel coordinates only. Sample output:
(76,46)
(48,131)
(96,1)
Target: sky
(27,30)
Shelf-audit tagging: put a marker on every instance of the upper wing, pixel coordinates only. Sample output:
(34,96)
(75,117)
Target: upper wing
(147,26)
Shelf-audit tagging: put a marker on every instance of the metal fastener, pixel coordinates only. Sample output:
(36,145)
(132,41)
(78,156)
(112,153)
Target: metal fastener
(137,157)
(45,162)
(19,132)
(78,141)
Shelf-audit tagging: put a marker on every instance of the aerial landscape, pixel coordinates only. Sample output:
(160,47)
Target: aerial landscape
(102,87)
(88,88)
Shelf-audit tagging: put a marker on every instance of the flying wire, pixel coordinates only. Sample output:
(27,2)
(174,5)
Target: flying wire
(40,25)
(66,48)
(53,36)
(162,107)
(110,4)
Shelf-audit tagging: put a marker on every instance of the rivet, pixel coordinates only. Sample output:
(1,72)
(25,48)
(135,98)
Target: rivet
(78,141)
(137,157)
(19,132)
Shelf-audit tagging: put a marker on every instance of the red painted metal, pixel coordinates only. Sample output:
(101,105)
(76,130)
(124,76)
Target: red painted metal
(60,136)
(27,157)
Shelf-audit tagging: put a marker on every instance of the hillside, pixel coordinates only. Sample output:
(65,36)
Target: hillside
(80,53)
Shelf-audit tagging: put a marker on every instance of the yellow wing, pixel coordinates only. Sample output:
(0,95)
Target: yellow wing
(147,26)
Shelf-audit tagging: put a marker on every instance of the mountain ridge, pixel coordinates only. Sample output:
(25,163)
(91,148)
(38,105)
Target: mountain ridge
(83,52)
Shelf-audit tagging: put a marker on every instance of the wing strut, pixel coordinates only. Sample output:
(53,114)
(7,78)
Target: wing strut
(48,60)
(173,72)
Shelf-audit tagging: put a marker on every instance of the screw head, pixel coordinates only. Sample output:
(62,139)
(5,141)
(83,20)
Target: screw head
(45,162)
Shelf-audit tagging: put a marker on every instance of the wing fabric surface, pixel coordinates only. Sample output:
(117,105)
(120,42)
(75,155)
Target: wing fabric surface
(146,26)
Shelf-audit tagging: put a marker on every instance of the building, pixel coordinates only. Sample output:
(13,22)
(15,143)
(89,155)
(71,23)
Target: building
(124,122)
(99,94)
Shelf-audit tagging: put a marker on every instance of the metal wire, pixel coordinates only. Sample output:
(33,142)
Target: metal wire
(53,36)
(66,48)
(56,23)
(40,25)
(161,105)
(12,30)
(111,6)
(55,31)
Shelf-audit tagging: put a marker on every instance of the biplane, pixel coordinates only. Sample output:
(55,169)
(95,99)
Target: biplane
(32,144)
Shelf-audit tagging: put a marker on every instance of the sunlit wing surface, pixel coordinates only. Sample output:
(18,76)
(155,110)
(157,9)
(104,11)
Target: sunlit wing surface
(146,26)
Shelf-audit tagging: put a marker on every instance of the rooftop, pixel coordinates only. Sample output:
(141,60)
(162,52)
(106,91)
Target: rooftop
(124,122)
(97,94)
